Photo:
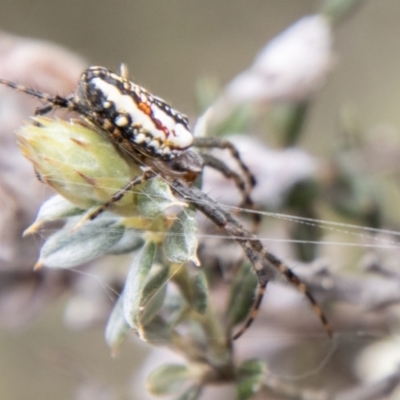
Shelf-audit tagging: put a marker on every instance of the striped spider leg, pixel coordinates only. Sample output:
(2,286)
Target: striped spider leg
(158,138)
(261,259)
(244,184)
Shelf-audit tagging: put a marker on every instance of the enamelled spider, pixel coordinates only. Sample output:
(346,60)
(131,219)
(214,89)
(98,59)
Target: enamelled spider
(159,140)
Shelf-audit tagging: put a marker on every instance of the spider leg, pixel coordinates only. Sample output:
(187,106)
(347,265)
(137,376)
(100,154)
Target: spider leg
(55,101)
(226,144)
(261,259)
(247,202)
(44,109)
(215,163)
(148,174)
(253,312)
(50,106)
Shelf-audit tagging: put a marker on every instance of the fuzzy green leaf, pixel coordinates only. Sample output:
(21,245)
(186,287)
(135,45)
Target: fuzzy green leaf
(241,295)
(157,332)
(153,293)
(130,241)
(53,209)
(251,375)
(168,379)
(180,244)
(175,308)
(155,197)
(116,328)
(57,208)
(133,292)
(200,292)
(65,249)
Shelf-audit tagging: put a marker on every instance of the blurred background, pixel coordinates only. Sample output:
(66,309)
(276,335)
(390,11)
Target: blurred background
(168,46)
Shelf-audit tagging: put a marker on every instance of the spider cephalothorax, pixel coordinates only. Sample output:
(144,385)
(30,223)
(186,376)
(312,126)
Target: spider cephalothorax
(157,138)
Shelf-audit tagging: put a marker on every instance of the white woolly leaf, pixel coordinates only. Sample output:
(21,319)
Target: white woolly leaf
(53,209)
(133,292)
(65,249)
(57,207)
(156,197)
(130,241)
(116,328)
(153,293)
(181,242)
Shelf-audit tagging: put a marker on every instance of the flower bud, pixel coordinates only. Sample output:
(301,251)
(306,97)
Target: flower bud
(78,162)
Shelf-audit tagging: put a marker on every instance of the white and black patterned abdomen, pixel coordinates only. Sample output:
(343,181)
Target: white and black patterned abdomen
(128,111)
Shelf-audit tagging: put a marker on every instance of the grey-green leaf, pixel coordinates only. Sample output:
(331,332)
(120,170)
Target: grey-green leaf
(155,198)
(57,207)
(241,297)
(153,293)
(130,241)
(133,292)
(117,327)
(251,375)
(157,332)
(168,379)
(53,209)
(200,292)
(181,242)
(65,249)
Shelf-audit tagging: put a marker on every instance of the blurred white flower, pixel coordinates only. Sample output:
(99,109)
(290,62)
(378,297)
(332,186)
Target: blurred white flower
(290,68)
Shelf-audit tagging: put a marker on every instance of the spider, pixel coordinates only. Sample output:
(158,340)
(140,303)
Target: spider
(148,130)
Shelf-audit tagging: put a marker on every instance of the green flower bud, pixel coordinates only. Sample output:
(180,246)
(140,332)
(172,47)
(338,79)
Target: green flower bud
(78,162)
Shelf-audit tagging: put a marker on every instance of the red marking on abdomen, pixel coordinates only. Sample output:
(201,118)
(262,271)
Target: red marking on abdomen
(159,125)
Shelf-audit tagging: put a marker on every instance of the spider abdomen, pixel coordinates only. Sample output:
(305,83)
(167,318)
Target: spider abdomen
(118,105)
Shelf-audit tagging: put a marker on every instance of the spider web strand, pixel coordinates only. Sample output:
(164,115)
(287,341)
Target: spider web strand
(260,258)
